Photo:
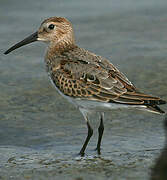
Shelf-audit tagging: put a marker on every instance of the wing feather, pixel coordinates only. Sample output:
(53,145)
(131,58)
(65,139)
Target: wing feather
(82,74)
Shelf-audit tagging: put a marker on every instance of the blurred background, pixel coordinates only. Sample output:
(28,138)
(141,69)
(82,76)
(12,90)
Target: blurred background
(40,132)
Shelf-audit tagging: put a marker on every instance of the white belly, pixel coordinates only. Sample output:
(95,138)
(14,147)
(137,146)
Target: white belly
(102,106)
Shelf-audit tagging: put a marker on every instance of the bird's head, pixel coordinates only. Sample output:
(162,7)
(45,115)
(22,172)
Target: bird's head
(54,30)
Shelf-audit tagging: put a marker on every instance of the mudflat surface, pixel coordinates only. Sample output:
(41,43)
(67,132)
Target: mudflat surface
(40,132)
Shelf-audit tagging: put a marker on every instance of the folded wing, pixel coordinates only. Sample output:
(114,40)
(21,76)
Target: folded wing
(95,78)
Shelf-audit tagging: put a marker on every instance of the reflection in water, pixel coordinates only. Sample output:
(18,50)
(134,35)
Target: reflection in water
(159,172)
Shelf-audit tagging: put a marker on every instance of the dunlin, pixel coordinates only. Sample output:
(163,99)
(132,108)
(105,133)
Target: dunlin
(85,79)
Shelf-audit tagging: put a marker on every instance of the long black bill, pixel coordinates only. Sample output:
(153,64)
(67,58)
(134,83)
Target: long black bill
(33,37)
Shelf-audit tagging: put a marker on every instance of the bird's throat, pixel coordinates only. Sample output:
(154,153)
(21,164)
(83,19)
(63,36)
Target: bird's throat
(59,48)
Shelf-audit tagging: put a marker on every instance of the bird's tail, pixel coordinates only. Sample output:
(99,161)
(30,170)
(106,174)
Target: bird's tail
(153,106)
(151,103)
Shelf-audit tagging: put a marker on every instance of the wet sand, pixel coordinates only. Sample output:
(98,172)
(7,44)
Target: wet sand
(40,132)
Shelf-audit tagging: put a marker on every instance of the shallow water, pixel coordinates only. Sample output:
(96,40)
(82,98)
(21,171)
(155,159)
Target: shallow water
(40,132)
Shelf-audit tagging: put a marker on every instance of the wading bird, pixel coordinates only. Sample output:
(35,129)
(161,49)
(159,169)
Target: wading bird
(87,80)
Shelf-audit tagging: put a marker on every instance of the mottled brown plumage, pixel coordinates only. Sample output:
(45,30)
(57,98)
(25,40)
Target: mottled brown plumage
(89,81)
(81,74)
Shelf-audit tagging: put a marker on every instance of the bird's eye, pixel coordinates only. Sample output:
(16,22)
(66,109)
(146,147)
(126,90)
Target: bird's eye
(51,26)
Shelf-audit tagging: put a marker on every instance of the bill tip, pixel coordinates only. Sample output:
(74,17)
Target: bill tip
(6,52)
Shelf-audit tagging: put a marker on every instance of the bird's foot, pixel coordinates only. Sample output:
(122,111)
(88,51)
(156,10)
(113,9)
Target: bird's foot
(98,151)
(82,154)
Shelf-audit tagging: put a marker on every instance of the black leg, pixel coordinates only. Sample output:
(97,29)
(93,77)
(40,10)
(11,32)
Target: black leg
(90,133)
(100,130)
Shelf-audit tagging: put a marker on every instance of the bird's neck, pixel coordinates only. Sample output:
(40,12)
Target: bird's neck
(60,46)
